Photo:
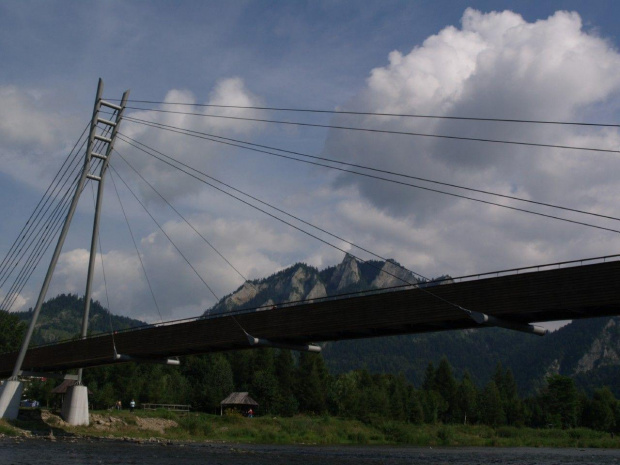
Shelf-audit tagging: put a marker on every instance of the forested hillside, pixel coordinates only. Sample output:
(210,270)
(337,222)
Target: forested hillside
(61,318)
(586,350)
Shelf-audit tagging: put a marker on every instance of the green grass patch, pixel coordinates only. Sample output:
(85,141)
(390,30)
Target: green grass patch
(7,430)
(325,430)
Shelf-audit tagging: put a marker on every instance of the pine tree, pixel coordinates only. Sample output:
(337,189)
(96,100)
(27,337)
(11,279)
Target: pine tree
(602,411)
(311,383)
(429,378)
(446,386)
(491,410)
(561,401)
(467,400)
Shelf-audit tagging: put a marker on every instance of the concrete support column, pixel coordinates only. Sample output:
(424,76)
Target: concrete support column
(75,406)
(10,397)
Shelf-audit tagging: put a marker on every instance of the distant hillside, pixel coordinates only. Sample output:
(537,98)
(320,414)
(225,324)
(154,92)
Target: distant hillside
(61,318)
(587,350)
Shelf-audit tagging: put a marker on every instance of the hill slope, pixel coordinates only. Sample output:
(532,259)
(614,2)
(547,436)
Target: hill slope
(61,318)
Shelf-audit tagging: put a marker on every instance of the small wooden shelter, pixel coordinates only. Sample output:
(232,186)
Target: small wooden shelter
(240,400)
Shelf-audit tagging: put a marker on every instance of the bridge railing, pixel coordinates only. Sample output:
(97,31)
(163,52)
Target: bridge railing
(531,269)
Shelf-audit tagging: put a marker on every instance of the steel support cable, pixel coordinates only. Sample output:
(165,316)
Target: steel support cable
(274,208)
(51,231)
(49,218)
(235,143)
(479,318)
(31,264)
(428,189)
(26,272)
(44,197)
(366,113)
(42,235)
(39,213)
(380,269)
(46,242)
(41,248)
(42,232)
(36,231)
(384,131)
(133,239)
(184,219)
(164,232)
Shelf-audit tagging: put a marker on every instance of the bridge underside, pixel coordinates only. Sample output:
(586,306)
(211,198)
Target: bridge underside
(560,294)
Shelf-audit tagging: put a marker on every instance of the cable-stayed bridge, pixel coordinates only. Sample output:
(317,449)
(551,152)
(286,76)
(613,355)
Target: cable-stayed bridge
(513,299)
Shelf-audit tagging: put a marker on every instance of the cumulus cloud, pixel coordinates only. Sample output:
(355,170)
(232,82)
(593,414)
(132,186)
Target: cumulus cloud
(199,153)
(34,132)
(495,65)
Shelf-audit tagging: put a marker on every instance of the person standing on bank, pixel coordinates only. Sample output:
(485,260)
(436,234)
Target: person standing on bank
(132,405)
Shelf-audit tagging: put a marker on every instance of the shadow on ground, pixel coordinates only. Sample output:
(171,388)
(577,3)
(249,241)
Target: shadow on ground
(32,421)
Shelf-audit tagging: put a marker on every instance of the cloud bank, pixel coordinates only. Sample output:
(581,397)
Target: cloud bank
(497,65)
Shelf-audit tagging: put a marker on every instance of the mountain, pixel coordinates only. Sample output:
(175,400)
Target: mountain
(302,282)
(587,350)
(61,318)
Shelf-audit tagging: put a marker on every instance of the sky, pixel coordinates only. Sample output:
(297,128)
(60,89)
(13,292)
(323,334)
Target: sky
(527,60)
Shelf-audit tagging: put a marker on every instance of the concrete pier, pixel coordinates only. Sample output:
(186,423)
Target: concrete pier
(10,397)
(75,406)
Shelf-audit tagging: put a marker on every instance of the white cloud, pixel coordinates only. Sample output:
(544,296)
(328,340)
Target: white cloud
(199,153)
(35,134)
(495,65)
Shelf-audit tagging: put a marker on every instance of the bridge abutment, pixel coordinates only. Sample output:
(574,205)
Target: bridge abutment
(10,397)
(75,406)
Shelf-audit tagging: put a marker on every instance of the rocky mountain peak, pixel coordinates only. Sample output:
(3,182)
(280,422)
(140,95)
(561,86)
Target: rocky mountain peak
(347,273)
(392,274)
(604,350)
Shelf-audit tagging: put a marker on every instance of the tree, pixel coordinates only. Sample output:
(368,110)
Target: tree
(311,383)
(11,332)
(414,406)
(429,378)
(446,386)
(466,400)
(602,411)
(561,401)
(491,410)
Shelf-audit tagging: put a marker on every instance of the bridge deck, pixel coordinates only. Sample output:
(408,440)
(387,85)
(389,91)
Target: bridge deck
(560,294)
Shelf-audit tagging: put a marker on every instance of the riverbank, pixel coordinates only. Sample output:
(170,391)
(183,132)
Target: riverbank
(163,426)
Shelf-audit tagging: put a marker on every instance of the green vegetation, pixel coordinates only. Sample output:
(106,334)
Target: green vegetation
(6,429)
(61,319)
(11,331)
(326,430)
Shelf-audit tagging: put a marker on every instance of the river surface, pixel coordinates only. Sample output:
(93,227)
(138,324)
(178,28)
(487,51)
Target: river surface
(63,452)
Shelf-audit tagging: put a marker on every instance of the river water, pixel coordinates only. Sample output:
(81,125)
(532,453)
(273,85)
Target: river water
(65,452)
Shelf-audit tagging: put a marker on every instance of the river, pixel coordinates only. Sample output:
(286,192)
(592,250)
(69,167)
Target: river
(68,452)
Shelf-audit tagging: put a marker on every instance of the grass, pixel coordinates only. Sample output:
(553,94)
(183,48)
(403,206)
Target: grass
(325,430)
(6,429)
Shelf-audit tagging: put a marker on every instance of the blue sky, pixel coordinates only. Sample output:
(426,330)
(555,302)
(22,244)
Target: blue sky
(442,57)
